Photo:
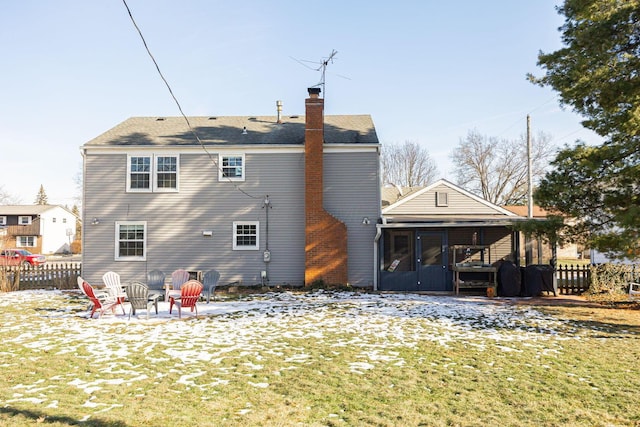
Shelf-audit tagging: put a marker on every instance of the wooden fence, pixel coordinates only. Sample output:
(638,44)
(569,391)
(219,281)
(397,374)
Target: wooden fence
(48,276)
(573,279)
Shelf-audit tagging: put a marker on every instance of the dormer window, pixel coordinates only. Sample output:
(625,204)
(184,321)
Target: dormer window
(442,199)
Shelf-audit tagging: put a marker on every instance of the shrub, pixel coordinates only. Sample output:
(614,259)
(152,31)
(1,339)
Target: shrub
(76,247)
(612,279)
(9,282)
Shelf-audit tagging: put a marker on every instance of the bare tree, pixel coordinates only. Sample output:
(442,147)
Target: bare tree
(7,198)
(77,179)
(496,169)
(407,165)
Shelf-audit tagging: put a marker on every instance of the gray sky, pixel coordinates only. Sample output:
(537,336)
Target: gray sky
(427,71)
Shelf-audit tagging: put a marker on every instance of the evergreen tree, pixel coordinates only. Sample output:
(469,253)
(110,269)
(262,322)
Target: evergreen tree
(596,74)
(41,198)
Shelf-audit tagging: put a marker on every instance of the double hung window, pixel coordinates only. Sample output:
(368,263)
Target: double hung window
(231,167)
(131,240)
(26,241)
(158,173)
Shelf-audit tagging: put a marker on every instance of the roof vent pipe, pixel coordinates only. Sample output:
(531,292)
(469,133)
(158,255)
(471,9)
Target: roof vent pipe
(279,109)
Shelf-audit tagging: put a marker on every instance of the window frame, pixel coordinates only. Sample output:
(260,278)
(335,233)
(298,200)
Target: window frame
(3,220)
(29,220)
(19,243)
(442,199)
(117,256)
(153,173)
(221,167)
(156,172)
(129,173)
(236,246)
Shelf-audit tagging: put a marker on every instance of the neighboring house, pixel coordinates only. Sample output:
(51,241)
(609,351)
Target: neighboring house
(289,200)
(391,193)
(597,257)
(419,230)
(541,250)
(47,229)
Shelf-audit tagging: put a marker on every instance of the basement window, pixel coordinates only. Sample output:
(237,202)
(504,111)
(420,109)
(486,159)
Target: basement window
(442,199)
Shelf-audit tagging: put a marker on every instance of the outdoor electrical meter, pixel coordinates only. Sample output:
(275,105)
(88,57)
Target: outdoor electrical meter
(266,256)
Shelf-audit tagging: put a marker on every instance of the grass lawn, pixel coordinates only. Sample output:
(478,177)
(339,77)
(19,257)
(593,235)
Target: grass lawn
(320,359)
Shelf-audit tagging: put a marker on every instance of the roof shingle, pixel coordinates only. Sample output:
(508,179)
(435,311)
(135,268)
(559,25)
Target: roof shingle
(228,130)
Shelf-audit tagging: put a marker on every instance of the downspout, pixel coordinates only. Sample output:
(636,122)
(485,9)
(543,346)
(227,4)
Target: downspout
(83,153)
(376,253)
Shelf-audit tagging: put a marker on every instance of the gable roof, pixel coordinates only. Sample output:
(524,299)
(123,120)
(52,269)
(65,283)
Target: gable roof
(229,130)
(27,209)
(462,206)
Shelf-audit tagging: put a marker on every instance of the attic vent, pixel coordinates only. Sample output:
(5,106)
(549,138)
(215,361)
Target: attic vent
(442,199)
(160,119)
(253,118)
(293,117)
(213,118)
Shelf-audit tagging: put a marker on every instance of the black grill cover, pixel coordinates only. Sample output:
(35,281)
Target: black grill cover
(537,278)
(509,280)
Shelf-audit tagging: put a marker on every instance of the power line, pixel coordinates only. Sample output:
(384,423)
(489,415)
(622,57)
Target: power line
(186,119)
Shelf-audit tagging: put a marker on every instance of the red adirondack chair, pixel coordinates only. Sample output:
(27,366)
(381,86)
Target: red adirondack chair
(190,292)
(100,302)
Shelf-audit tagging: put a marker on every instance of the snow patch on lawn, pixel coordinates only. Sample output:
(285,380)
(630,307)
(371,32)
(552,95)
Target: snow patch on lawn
(376,328)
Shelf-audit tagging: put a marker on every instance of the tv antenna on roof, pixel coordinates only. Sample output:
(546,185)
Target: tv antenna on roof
(322,67)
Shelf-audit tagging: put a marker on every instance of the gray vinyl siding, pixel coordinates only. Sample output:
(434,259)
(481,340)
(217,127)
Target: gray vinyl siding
(352,192)
(175,221)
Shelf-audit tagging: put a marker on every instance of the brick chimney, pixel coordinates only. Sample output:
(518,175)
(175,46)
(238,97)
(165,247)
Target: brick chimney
(326,236)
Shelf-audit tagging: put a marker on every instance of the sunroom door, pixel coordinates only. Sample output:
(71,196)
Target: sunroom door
(432,261)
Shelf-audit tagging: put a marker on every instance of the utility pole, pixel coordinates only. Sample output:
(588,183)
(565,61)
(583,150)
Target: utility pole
(528,255)
(529,170)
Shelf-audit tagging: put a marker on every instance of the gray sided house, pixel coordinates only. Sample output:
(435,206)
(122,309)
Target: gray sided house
(286,200)
(426,232)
